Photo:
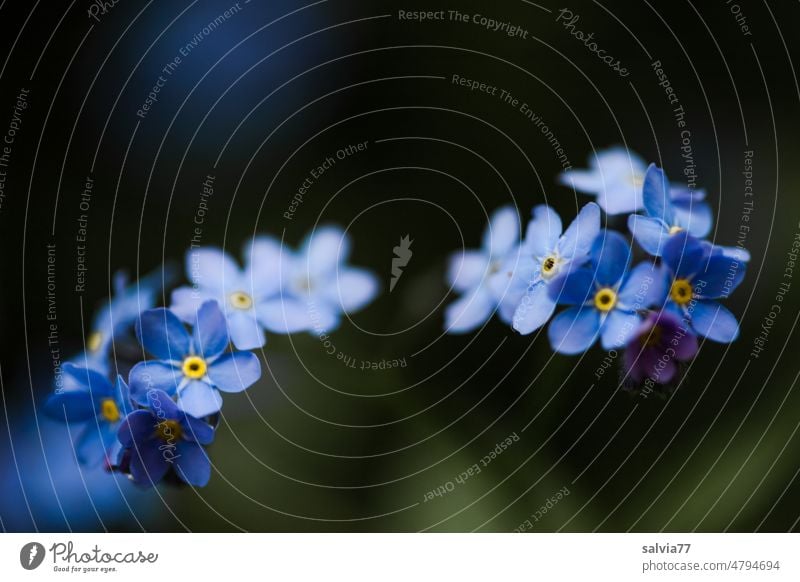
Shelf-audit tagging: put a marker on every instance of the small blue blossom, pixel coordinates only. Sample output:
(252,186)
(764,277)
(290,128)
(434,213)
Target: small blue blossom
(241,293)
(546,254)
(481,276)
(694,279)
(604,297)
(117,315)
(658,348)
(669,211)
(162,436)
(317,286)
(88,399)
(615,176)
(191,367)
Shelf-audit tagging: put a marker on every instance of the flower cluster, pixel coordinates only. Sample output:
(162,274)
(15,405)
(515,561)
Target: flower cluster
(655,310)
(147,391)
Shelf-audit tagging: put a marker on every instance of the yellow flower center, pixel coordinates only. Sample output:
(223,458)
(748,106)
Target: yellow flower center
(241,300)
(605,299)
(681,291)
(169,430)
(95,341)
(109,410)
(637,180)
(675,230)
(549,267)
(194,367)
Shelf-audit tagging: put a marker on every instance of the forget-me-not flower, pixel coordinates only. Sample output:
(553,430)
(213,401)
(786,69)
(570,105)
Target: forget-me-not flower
(241,293)
(695,280)
(545,255)
(163,436)
(605,298)
(616,176)
(480,276)
(668,213)
(89,399)
(192,367)
(317,285)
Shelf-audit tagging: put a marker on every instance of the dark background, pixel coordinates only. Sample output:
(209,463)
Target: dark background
(316,446)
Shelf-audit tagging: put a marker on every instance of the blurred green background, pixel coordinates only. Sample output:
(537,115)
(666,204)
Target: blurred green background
(318,446)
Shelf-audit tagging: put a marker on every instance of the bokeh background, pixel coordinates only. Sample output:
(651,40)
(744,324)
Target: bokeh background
(318,446)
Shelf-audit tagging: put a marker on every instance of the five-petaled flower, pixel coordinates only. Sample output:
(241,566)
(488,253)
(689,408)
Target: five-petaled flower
(162,436)
(241,293)
(481,276)
(694,278)
(657,347)
(192,367)
(547,254)
(89,399)
(317,285)
(604,298)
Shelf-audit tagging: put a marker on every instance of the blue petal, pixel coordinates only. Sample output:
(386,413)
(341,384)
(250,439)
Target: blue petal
(284,315)
(138,426)
(715,322)
(148,465)
(324,250)
(192,464)
(468,312)
(618,328)
(684,255)
(535,309)
(611,255)
(502,233)
(235,372)
(647,285)
(71,406)
(199,399)
(92,445)
(196,430)
(719,278)
(87,379)
(246,331)
(211,268)
(162,406)
(466,270)
(352,289)
(696,217)
(574,330)
(650,233)
(210,330)
(153,375)
(656,196)
(575,288)
(543,232)
(162,334)
(265,258)
(187,300)
(578,239)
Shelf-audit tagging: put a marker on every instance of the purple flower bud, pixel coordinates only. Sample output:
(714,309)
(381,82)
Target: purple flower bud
(656,348)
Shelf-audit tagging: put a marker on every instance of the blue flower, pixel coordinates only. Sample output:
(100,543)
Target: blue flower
(605,298)
(694,279)
(546,254)
(317,286)
(115,318)
(162,436)
(669,212)
(481,276)
(87,398)
(241,293)
(191,367)
(616,178)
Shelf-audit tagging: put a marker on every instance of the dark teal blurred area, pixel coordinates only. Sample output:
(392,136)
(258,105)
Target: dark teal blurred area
(320,446)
